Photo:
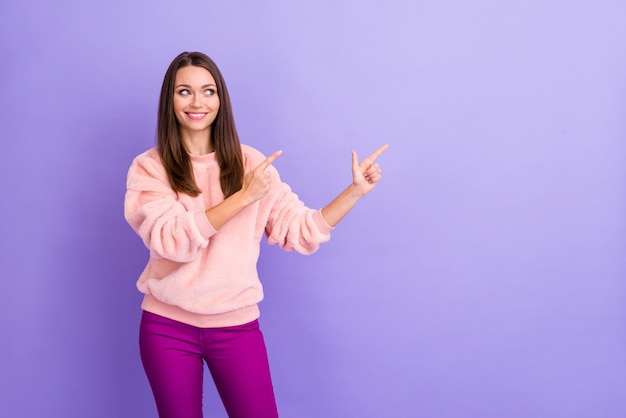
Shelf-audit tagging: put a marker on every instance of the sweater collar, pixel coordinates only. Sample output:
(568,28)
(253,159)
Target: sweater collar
(202,159)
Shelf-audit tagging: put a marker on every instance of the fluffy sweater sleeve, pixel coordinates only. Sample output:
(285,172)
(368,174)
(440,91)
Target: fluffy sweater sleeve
(289,223)
(169,229)
(293,226)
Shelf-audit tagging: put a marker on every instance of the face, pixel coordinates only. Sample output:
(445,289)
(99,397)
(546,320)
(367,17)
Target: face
(196,101)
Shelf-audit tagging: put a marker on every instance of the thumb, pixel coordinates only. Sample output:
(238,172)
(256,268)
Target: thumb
(355,159)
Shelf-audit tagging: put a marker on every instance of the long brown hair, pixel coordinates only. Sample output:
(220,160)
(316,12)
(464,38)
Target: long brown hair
(224,136)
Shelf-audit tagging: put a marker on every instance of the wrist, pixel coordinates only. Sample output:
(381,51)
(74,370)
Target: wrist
(239,199)
(355,191)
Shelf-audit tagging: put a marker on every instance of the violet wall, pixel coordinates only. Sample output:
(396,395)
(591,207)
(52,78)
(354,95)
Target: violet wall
(485,277)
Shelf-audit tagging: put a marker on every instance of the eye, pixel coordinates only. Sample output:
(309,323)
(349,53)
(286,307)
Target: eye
(209,92)
(184,92)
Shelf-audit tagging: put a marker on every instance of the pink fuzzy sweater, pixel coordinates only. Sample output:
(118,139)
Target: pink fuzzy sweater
(196,274)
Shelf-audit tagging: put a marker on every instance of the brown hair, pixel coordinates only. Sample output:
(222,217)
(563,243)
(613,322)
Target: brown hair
(224,136)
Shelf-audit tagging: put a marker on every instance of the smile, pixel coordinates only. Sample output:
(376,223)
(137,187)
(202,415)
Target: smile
(196,116)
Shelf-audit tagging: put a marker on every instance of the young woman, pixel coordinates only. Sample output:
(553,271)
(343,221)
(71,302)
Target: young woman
(201,202)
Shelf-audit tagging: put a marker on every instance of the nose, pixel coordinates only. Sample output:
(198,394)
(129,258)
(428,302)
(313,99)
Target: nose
(196,101)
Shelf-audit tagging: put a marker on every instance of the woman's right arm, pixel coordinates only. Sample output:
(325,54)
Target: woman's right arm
(166,227)
(256,184)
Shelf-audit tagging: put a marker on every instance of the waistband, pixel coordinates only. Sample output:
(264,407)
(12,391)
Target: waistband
(227,319)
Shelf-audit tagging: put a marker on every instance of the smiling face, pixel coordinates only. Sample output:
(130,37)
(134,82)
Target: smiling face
(196,103)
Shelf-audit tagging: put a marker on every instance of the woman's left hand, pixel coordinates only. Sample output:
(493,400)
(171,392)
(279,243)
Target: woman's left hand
(366,174)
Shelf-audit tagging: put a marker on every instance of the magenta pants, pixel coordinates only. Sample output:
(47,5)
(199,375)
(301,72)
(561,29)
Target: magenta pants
(173,355)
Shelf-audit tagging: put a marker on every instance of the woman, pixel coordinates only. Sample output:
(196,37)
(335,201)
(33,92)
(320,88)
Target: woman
(201,202)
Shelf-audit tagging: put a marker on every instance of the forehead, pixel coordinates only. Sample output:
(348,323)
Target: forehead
(194,76)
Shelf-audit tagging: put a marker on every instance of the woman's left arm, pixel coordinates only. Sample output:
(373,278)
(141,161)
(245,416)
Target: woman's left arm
(365,176)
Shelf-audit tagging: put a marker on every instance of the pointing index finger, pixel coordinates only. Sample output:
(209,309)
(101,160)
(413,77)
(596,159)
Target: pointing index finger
(377,153)
(269,160)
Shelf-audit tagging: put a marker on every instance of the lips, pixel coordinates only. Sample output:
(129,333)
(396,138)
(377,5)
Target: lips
(196,116)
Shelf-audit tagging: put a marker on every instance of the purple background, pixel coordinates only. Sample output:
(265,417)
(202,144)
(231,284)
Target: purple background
(484,277)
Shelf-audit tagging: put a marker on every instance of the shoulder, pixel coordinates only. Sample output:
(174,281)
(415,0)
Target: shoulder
(252,152)
(252,157)
(149,155)
(148,162)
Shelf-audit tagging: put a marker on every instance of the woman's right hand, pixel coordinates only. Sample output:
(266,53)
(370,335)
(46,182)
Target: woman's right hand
(257,182)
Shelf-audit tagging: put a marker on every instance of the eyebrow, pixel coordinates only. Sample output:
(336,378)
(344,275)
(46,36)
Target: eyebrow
(203,87)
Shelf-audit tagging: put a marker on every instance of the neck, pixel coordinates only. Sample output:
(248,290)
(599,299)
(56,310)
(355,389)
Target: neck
(197,143)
